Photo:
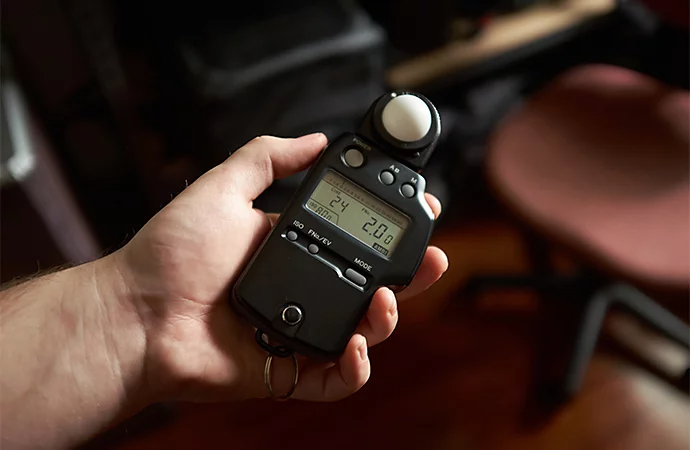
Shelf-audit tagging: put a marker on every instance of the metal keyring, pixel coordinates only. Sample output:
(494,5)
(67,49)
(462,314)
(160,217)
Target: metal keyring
(267,379)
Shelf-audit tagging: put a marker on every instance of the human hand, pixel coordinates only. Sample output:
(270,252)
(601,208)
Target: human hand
(180,268)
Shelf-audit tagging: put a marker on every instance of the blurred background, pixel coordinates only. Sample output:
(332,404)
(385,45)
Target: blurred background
(563,170)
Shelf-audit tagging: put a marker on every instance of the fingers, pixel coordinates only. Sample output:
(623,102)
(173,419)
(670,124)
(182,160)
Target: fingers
(434,204)
(330,382)
(252,168)
(434,264)
(381,318)
(272,218)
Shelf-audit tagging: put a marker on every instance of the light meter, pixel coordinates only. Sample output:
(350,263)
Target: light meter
(357,222)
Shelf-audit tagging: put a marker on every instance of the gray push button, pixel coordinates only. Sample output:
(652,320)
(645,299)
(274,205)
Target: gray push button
(313,249)
(407,190)
(355,277)
(291,235)
(292,315)
(387,177)
(354,158)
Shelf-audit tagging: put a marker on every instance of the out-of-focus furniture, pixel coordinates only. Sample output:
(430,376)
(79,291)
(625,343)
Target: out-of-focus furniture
(597,163)
(506,40)
(42,223)
(68,63)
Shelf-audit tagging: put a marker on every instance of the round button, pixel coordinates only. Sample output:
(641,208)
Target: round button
(387,177)
(292,315)
(313,249)
(407,118)
(291,235)
(407,190)
(353,158)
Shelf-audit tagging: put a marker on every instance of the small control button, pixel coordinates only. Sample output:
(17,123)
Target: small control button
(355,277)
(313,249)
(292,315)
(408,190)
(387,177)
(291,235)
(354,158)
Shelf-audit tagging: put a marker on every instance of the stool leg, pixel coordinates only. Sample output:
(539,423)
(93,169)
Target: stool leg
(654,315)
(590,326)
(584,344)
(570,326)
(651,313)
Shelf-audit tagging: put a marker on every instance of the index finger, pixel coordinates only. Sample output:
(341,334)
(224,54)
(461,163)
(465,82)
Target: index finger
(252,168)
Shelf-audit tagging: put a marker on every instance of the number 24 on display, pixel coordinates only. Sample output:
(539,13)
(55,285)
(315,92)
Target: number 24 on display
(337,201)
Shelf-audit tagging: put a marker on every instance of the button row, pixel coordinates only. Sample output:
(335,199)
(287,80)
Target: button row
(354,158)
(350,274)
(407,190)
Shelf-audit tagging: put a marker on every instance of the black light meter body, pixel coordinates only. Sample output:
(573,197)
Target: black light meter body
(357,222)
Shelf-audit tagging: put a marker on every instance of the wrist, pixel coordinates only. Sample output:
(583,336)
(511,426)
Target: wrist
(125,334)
(70,342)
(169,371)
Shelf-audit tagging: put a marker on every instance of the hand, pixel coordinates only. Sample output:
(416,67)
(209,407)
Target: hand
(181,265)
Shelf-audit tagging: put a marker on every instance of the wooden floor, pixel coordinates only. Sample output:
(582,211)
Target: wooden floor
(455,375)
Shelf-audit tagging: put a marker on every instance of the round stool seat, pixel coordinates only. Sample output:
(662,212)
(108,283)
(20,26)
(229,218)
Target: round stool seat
(599,161)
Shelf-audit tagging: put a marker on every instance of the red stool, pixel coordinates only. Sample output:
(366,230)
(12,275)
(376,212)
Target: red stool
(598,163)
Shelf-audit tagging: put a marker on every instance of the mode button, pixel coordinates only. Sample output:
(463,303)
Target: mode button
(355,277)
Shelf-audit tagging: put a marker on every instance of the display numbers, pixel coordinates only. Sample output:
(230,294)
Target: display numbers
(379,231)
(323,212)
(372,222)
(357,212)
(340,203)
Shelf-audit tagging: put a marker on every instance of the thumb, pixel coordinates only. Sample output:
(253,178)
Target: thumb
(252,168)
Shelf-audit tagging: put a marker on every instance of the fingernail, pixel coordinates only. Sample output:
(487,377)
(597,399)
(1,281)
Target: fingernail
(363,352)
(314,135)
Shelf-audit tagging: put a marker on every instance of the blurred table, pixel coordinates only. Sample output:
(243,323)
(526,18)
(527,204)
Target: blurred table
(503,36)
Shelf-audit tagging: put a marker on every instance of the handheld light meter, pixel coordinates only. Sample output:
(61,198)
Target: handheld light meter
(357,222)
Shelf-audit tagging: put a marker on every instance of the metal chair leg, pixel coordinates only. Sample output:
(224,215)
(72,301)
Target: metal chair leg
(635,302)
(585,342)
(651,313)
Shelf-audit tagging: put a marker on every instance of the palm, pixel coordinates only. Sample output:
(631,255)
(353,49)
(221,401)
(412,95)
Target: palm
(188,255)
